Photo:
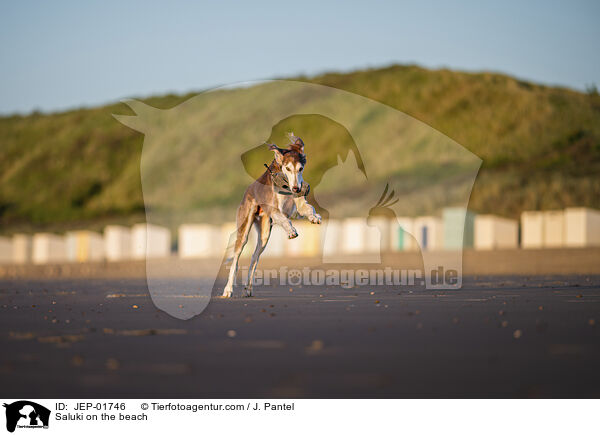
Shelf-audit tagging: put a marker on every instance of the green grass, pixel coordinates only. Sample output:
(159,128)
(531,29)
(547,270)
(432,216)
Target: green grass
(540,147)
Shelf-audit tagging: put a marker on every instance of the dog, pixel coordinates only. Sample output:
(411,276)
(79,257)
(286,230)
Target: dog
(272,199)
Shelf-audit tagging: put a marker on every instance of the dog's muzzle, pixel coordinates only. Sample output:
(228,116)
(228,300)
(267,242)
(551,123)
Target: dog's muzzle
(281,182)
(304,190)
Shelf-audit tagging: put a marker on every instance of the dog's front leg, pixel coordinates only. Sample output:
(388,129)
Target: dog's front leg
(307,210)
(280,219)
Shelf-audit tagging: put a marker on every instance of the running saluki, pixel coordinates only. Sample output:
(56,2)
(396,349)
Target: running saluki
(272,199)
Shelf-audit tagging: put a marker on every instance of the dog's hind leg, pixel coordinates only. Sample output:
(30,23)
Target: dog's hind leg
(244,222)
(263,225)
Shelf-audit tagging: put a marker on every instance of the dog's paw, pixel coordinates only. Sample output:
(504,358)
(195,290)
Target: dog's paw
(293,234)
(227,293)
(315,218)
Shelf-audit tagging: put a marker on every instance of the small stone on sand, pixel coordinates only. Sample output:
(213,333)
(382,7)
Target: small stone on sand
(112,364)
(315,346)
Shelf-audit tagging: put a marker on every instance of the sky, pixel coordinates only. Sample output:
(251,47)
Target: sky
(65,54)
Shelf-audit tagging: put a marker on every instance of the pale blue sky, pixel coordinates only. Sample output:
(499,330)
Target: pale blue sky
(63,54)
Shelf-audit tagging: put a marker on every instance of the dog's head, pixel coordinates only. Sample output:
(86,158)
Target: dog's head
(291,160)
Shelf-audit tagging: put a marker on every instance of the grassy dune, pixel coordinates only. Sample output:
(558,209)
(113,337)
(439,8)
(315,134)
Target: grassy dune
(540,147)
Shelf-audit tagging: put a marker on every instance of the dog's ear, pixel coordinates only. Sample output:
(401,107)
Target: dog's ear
(298,146)
(296,143)
(277,152)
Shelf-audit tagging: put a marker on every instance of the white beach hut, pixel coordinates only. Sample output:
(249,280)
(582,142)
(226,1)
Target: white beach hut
(277,242)
(495,232)
(117,243)
(377,236)
(150,241)
(199,241)
(6,250)
(22,248)
(401,235)
(308,242)
(48,248)
(84,246)
(554,228)
(582,227)
(532,229)
(428,230)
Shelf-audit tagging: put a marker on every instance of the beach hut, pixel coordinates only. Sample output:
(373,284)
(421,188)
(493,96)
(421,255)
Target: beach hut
(582,227)
(554,228)
(459,225)
(428,230)
(84,246)
(495,232)
(532,229)
(199,241)
(48,248)
(21,244)
(90,246)
(150,241)
(354,231)
(6,250)
(277,242)
(401,235)
(331,240)
(71,245)
(377,235)
(308,242)
(117,243)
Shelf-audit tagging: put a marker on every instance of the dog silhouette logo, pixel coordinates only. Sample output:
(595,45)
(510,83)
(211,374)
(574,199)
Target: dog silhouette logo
(26,414)
(191,171)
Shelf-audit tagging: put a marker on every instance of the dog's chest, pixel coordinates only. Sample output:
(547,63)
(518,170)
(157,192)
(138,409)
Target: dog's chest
(285,204)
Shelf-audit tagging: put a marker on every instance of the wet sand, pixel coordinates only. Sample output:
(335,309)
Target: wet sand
(509,336)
